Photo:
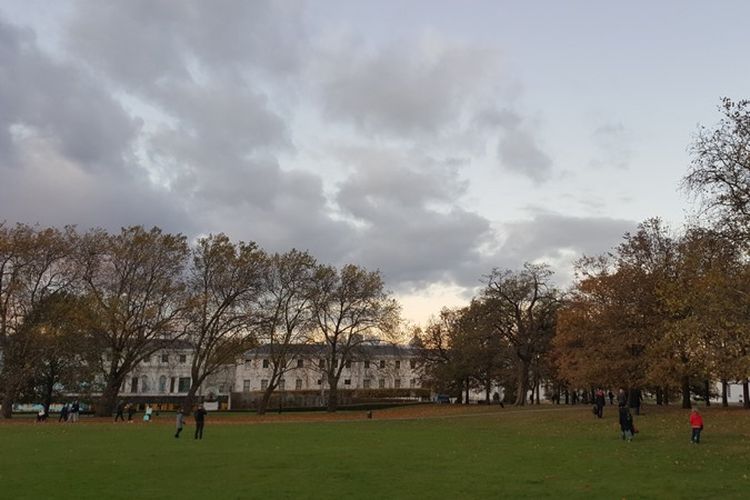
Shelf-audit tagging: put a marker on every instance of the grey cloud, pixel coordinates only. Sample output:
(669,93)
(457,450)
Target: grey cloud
(519,152)
(404,90)
(144,41)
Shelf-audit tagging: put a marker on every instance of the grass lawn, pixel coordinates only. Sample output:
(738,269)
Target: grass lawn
(529,453)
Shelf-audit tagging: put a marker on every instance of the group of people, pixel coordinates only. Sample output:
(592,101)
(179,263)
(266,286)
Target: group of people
(627,425)
(70,412)
(200,420)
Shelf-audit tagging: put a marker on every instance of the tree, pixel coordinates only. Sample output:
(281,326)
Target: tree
(522,306)
(287,315)
(223,280)
(134,284)
(348,305)
(34,264)
(720,169)
(445,367)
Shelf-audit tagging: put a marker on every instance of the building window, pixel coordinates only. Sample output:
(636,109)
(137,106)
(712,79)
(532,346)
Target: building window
(413,364)
(246,386)
(322,363)
(349,364)
(172,383)
(319,381)
(183,358)
(382,363)
(222,388)
(367,364)
(397,383)
(348,381)
(413,383)
(282,384)
(398,364)
(366,383)
(165,358)
(381,383)
(265,363)
(163,384)
(144,384)
(146,361)
(300,363)
(134,385)
(298,384)
(263,385)
(184,384)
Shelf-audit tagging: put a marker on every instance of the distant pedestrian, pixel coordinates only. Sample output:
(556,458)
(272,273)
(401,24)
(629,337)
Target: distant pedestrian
(626,423)
(63,413)
(131,412)
(74,411)
(696,424)
(599,402)
(180,422)
(41,416)
(622,397)
(611,397)
(200,420)
(120,410)
(147,413)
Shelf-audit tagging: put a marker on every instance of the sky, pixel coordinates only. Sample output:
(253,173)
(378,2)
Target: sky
(432,140)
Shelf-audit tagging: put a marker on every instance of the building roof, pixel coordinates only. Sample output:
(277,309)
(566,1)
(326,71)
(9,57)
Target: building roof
(364,350)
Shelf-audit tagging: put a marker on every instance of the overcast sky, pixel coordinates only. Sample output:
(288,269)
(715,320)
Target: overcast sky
(431,140)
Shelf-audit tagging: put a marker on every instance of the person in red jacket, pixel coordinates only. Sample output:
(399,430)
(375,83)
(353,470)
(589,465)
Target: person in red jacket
(696,422)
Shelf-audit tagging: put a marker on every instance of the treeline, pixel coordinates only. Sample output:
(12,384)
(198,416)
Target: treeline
(80,310)
(664,312)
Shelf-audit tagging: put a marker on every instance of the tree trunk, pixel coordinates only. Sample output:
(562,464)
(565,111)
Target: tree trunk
(108,399)
(523,382)
(487,389)
(263,405)
(187,403)
(658,396)
(467,391)
(333,396)
(666,396)
(745,394)
(686,393)
(49,389)
(724,395)
(567,397)
(707,390)
(7,405)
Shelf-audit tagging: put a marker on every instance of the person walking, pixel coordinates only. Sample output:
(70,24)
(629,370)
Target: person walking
(626,423)
(147,414)
(120,409)
(611,397)
(131,411)
(180,423)
(63,413)
(696,424)
(74,411)
(200,420)
(599,402)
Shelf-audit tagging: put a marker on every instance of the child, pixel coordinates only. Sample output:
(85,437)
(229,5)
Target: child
(180,423)
(696,423)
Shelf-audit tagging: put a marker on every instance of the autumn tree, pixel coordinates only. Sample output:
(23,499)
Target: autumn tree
(348,304)
(224,281)
(522,306)
(286,309)
(445,368)
(34,264)
(134,283)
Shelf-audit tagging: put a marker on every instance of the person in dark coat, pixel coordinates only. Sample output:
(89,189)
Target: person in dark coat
(611,397)
(131,411)
(626,423)
(63,413)
(120,410)
(200,420)
(599,401)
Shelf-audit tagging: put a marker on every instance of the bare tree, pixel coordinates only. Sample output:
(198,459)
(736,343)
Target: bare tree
(348,305)
(34,264)
(522,312)
(287,318)
(134,281)
(223,281)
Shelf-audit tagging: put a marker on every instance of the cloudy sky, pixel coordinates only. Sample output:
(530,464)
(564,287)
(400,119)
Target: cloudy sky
(433,140)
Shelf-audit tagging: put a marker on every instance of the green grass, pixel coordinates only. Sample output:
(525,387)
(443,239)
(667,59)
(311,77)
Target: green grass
(510,454)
